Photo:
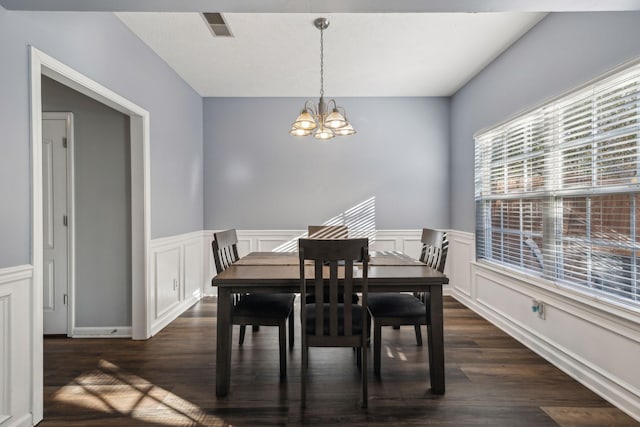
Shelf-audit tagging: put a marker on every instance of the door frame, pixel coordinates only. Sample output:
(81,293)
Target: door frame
(43,64)
(71,217)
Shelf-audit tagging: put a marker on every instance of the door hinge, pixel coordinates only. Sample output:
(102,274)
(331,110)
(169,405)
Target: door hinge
(64,141)
(65,221)
(64,299)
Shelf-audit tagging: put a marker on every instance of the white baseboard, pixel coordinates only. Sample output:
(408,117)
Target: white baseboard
(101,332)
(172,314)
(23,421)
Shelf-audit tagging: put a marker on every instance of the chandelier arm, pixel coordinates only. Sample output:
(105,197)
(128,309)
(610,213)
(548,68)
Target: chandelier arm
(308,105)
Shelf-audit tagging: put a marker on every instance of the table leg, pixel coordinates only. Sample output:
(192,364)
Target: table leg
(435,335)
(223,342)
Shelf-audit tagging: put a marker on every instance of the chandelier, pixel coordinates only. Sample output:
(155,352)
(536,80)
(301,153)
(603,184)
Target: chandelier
(325,120)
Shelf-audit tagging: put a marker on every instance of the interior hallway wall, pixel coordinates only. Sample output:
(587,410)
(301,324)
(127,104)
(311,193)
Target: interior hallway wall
(102,152)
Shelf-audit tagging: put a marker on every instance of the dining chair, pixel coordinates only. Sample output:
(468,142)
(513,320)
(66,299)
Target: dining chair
(255,309)
(396,309)
(334,323)
(328,232)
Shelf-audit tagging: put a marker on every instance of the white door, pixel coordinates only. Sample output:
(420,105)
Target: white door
(56,272)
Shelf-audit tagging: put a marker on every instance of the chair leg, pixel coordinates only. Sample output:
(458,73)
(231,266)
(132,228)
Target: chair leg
(396,327)
(291,329)
(418,335)
(303,377)
(282,329)
(377,347)
(255,328)
(359,357)
(243,330)
(365,397)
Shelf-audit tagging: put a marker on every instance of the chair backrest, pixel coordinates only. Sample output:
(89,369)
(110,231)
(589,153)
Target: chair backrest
(328,231)
(435,246)
(334,252)
(225,249)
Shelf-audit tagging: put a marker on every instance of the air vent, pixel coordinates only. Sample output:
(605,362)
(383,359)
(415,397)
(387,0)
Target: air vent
(216,23)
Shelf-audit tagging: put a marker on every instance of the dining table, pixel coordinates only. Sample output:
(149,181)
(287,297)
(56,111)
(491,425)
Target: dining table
(279,272)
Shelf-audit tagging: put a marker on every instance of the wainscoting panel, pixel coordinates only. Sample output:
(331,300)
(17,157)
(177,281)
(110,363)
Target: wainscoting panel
(193,269)
(596,346)
(458,266)
(177,273)
(15,346)
(5,333)
(167,280)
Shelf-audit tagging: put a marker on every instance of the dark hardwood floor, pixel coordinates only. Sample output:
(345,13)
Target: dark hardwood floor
(169,381)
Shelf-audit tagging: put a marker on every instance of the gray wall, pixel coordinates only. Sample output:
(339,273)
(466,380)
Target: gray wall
(101,47)
(562,52)
(102,206)
(257,176)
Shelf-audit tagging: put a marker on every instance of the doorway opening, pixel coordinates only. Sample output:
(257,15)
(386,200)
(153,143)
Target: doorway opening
(43,64)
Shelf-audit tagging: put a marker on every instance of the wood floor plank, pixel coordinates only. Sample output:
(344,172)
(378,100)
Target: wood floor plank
(169,380)
(589,417)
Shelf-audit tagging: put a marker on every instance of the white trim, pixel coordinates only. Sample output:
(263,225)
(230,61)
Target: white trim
(23,421)
(173,313)
(71,224)
(5,356)
(178,239)
(36,355)
(19,272)
(101,332)
(43,64)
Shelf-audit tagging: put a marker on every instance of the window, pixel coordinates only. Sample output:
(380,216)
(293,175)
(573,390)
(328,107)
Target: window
(557,190)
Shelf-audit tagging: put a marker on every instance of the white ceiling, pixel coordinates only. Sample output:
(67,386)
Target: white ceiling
(372,47)
(366,54)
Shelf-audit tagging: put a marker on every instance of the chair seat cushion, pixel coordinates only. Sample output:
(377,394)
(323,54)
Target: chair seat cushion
(274,306)
(395,304)
(356,314)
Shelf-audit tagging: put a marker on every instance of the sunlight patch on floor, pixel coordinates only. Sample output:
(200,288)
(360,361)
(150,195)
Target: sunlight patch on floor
(395,353)
(111,390)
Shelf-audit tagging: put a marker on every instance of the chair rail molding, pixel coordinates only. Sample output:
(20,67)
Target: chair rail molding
(16,336)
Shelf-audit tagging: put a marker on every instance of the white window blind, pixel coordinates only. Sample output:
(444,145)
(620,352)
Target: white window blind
(557,189)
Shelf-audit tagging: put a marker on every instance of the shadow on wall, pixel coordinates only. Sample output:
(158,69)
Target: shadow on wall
(360,221)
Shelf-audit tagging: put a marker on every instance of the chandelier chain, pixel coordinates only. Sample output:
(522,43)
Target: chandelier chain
(321,62)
